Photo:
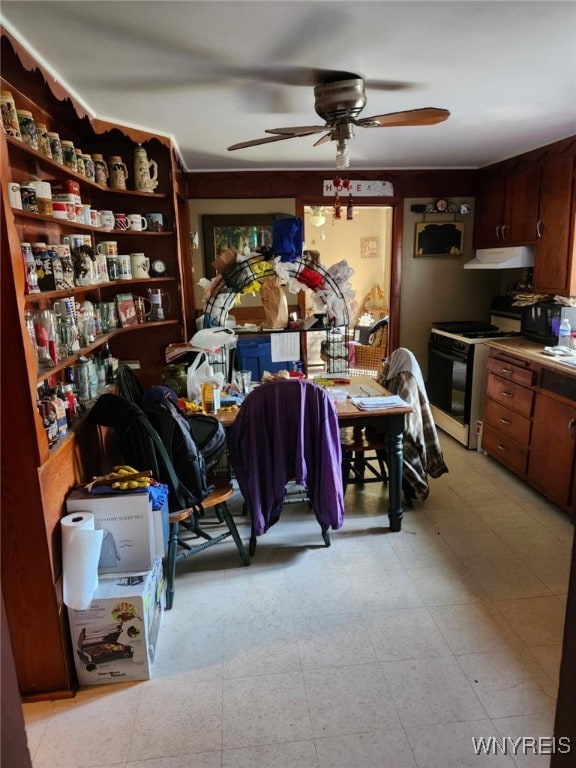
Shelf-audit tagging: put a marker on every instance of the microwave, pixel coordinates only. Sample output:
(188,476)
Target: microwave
(540,322)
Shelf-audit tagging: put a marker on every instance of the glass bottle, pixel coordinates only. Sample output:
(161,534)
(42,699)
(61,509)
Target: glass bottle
(106,357)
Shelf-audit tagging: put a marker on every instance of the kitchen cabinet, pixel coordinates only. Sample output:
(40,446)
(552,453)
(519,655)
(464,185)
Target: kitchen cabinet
(555,263)
(506,210)
(35,477)
(509,402)
(530,424)
(552,466)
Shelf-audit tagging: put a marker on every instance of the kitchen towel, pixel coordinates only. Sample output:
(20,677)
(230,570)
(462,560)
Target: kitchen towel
(81,545)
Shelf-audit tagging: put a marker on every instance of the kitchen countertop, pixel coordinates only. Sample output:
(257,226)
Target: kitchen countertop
(532,351)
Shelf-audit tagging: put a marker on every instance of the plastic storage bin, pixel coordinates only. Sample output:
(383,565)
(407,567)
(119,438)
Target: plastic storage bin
(255,354)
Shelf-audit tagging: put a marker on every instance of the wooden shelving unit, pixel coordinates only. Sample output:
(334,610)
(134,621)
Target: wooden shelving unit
(36,478)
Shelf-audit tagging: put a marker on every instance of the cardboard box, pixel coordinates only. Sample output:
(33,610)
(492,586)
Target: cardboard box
(134,534)
(115,638)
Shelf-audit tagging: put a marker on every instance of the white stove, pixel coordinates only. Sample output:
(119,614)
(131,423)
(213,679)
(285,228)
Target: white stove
(457,374)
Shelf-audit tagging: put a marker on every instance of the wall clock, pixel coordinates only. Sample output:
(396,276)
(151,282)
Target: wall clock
(441,205)
(158,268)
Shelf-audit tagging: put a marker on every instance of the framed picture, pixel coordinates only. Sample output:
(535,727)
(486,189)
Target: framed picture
(433,239)
(126,309)
(369,247)
(246,232)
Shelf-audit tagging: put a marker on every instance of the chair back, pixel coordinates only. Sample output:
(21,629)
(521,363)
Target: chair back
(141,445)
(129,385)
(287,430)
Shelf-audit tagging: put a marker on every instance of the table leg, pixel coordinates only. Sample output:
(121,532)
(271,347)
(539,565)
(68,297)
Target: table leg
(395,452)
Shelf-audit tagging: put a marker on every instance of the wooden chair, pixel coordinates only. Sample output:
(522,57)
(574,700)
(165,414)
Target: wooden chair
(285,431)
(362,453)
(184,524)
(142,448)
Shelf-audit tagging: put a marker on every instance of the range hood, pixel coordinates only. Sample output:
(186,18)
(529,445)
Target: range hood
(502,258)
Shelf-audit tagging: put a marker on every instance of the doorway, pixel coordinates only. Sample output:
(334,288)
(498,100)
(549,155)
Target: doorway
(365,242)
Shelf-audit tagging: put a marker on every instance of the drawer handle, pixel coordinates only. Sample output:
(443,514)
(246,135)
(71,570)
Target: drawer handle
(505,421)
(502,448)
(572,427)
(506,371)
(539,228)
(507,394)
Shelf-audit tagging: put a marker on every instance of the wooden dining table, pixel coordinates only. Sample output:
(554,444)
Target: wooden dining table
(389,421)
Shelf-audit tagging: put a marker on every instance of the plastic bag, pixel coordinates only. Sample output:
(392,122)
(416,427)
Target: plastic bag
(197,371)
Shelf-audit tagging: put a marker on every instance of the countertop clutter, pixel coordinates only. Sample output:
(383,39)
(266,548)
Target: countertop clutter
(530,350)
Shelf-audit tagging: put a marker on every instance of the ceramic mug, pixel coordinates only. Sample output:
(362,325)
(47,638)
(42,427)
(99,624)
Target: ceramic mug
(121,221)
(107,219)
(76,241)
(137,222)
(155,222)
(124,267)
(108,248)
(140,265)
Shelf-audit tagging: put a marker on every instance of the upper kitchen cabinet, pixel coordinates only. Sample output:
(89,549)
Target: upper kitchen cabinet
(555,265)
(507,208)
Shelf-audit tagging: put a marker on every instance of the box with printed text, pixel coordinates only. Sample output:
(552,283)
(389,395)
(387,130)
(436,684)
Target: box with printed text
(115,638)
(134,533)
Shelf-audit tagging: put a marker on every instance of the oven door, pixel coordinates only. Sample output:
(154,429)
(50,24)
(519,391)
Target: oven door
(450,380)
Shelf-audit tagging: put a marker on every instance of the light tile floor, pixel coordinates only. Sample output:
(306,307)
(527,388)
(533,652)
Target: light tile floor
(383,651)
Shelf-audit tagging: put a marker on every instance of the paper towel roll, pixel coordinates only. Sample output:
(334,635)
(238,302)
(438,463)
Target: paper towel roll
(81,545)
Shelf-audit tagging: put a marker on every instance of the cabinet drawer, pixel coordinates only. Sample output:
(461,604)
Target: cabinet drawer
(510,394)
(507,370)
(508,422)
(504,449)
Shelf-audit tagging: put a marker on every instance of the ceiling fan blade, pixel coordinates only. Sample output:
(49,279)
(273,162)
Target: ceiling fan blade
(298,130)
(323,139)
(425,116)
(256,142)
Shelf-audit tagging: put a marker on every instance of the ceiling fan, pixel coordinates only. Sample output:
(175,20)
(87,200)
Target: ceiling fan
(339,100)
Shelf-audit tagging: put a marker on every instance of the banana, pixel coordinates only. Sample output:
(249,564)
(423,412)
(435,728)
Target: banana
(125,469)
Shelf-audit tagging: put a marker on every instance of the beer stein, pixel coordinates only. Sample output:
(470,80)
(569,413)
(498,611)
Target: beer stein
(145,171)
(160,304)
(140,266)
(118,172)
(9,116)
(143,308)
(100,170)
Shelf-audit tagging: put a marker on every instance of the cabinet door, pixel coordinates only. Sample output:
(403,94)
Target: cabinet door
(555,266)
(551,466)
(521,207)
(489,212)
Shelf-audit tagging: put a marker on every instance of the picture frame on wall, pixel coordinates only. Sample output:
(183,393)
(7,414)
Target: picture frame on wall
(435,239)
(370,247)
(242,231)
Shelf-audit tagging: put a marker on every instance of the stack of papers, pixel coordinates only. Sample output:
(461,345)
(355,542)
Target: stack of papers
(379,403)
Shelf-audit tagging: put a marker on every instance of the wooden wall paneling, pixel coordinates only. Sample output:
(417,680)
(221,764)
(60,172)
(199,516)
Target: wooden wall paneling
(303,184)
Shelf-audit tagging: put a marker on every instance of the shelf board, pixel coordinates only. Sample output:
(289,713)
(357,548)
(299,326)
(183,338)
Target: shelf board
(47,372)
(85,227)
(30,298)
(63,169)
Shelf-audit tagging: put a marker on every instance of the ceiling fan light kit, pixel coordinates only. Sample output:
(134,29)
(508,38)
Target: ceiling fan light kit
(339,100)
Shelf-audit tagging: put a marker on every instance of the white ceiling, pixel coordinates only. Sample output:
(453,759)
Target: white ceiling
(203,72)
